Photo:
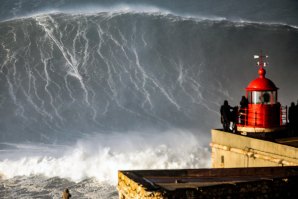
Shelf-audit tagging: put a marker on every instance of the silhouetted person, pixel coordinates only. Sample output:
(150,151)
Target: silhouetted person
(243,102)
(295,120)
(243,109)
(66,194)
(292,117)
(225,115)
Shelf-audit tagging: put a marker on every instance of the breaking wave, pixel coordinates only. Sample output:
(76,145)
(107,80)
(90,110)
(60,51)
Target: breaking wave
(102,155)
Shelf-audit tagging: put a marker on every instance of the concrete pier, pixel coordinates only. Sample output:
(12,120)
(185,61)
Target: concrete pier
(243,167)
(260,182)
(234,150)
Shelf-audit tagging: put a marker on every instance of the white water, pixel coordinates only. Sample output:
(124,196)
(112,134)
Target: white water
(146,9)
(101,156)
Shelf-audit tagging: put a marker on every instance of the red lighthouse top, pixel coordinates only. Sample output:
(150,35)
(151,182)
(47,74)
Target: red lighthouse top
(261,83)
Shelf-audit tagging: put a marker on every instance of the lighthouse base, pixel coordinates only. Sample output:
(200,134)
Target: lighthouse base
(244,130)
(234,150)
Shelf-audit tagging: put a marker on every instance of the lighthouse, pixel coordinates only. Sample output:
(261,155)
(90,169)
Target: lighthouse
(263,113)
(261,138)
(258,160)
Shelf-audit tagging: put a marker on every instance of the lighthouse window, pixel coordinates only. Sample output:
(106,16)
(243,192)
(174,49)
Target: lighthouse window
(256,97)
(263,97)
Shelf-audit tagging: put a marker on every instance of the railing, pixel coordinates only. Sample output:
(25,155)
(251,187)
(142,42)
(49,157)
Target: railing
(248,117)
(283,115)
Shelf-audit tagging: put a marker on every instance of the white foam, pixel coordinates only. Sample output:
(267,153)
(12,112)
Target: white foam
(95,9)
(144,9)
(102,155)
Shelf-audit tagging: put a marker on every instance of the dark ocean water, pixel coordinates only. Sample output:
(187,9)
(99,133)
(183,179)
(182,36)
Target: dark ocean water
(88,88)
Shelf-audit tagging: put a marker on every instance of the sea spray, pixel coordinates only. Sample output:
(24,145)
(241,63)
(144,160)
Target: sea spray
(102,155)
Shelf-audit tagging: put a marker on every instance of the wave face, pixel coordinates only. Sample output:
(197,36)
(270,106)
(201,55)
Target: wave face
(66,75)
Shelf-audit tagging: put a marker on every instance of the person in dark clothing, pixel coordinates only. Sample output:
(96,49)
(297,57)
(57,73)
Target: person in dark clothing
(66,194)
(293,121)
(244,102)
(293,118)
(243,109)
(225,112)
(292,114)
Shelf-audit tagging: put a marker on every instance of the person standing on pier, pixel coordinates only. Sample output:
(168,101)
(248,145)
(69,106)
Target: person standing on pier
(225,111)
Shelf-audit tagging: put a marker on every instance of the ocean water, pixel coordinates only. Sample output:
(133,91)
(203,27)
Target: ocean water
(88,88)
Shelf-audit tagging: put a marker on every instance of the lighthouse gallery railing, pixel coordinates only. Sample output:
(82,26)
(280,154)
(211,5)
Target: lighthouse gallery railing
(244,115)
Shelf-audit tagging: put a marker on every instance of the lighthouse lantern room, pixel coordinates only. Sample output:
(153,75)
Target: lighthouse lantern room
(263,113)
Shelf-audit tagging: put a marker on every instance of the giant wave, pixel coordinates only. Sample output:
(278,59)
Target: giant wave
(66,75)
